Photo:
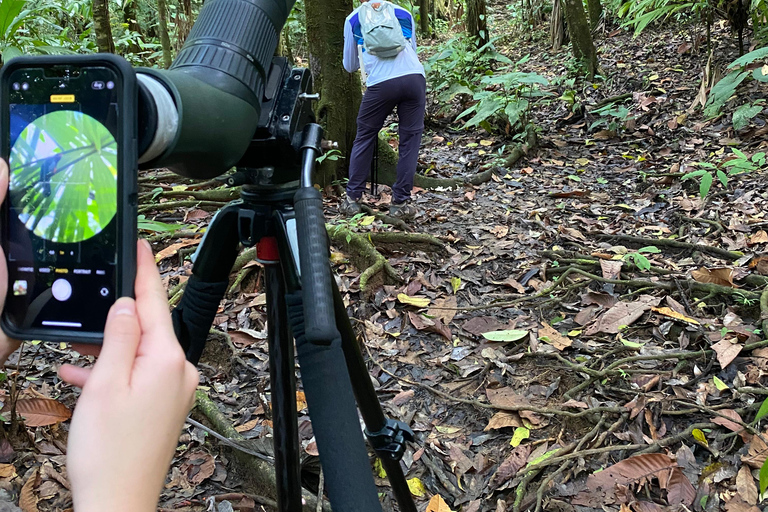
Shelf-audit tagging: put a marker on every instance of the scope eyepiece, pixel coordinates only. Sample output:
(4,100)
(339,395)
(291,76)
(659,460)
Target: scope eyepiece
(215,85)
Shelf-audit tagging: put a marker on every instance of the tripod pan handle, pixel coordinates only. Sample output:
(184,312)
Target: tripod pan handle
(316,278)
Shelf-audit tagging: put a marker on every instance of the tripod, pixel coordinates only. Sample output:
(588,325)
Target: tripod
(282,216)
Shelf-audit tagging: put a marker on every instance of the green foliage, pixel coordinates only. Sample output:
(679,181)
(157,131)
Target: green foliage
(640,261)
(738,164)
(724,89)
(611,117)
(744,114)
(638,15)
(154,226)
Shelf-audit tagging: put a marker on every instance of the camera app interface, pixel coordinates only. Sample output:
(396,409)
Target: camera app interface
(63,198)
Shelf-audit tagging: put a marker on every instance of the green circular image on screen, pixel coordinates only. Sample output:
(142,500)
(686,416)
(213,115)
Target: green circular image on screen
(63,179)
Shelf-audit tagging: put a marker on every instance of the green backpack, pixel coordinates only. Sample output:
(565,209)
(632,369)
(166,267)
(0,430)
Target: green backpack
(382,34)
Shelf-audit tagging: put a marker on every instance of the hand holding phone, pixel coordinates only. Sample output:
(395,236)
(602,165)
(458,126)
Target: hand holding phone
(128,419)
(68,131)
(7,345)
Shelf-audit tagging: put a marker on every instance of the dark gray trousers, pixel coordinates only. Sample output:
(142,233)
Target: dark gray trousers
(408,94)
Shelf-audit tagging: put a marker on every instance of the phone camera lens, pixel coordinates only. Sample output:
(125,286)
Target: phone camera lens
(25,86)
(97,85)
(16,86)
(110,85)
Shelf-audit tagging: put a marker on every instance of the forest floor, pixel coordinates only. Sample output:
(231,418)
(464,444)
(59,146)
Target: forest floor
(626,310)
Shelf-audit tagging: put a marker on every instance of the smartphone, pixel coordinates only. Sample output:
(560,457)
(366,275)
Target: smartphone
(68,133)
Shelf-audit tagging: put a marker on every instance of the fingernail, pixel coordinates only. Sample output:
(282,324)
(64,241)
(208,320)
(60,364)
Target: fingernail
(145,243)
(124,306)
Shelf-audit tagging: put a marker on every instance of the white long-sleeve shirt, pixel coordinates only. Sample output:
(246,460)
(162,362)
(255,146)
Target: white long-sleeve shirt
(380,69)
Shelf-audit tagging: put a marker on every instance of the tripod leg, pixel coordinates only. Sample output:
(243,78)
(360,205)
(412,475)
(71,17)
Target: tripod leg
(283,383)
(386,436)
(348,476)
(193,317)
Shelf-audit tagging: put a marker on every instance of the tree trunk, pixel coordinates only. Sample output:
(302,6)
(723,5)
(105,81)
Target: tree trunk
(581,37)
(424,17)
(102,27)
(183,22)
(557,25)
(477,22)
(131,21)
(595,12)
(165,40)
(340,92)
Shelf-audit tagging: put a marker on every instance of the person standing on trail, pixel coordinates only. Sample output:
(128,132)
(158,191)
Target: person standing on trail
(382,36)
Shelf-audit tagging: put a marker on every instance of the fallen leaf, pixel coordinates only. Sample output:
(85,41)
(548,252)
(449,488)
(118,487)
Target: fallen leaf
(549,334)
(760,237)
(246,337)
(576,404)
(573,234)
(757,452)
(671,313)
(727,423)
(621,314)
(420,302)
(7,471)
(611,268)
(445,315)
(198,466)
(722,276)
(437,504)
(699,436)
(745,484)
(520,435)
(480,324)
(503,419)
(27,498)
(511,465)
(245,427)
(174,248)
(508,335)
(417,487)
(40,412)
(726,351)
(500,231)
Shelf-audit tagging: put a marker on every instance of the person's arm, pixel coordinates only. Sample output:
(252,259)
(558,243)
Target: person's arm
(130,414)
(351,62)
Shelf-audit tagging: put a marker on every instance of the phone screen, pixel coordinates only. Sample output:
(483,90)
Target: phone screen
(62,207)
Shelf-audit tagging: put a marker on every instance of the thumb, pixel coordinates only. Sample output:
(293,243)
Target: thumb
(121,340)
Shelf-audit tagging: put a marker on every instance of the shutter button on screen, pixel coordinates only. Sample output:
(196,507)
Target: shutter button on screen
(61,290)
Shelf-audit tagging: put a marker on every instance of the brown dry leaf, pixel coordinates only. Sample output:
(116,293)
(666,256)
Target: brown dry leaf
(174,248)
(7,471)
(745,484)
(301,401)
(576,404)
(623,313)
(601,299)
(245,427)
(27,498)
(198,466)
(246,338)
(445,315)
(757,452)
(611,268)
(726,351)
(737,505)
(671,313)
(511,465)
(722,276)
(505,397)
(639,470)
(420,322)
(512,283)
(480,324)
(550,335)
(760,237)
(39,412)
(500,231)
(573,234)
(725,422)
(437,504)
(503,419)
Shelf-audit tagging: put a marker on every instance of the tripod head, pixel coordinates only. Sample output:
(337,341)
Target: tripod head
(204,114)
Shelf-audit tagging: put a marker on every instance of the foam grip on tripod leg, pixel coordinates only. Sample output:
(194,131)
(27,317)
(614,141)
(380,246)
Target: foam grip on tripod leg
(347,469)
(193,317)
(316,278)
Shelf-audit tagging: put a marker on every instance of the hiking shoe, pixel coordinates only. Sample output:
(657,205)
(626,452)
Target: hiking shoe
(404,210)
(349,207)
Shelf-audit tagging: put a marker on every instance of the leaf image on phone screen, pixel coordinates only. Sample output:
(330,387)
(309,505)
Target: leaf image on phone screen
(64,176)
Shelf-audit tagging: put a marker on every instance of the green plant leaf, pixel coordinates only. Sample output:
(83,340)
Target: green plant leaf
(744,114)
(763,411)
(764,477)
(694,174)
(652,249)
(722,177)
(508,335)
(521,434)
(705,185)
(722,91)
(750,57)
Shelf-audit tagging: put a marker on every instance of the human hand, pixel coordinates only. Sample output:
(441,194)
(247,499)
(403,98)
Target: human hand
(129,416)
(7,345)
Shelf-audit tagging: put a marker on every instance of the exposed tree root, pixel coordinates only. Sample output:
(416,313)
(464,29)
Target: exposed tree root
(406,242)
(363,255)
(172,205)
(386,219)
(712,251)
(258,474)
(219,194)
